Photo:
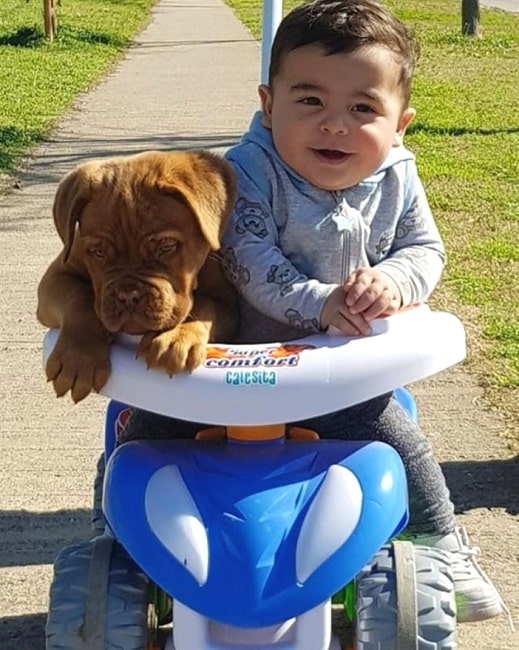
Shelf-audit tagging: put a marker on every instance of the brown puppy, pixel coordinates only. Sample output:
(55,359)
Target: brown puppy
(137,235)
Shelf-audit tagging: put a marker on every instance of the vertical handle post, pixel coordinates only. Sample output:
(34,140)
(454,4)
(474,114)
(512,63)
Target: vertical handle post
(272,14)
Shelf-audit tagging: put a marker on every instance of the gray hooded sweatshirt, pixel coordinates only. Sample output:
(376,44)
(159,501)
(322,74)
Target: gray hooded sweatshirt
(289,243)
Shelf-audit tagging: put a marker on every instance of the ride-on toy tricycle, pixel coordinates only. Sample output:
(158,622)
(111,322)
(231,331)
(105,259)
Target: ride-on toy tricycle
(245,536)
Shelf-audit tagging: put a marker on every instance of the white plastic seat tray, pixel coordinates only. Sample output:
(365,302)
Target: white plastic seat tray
(283,382)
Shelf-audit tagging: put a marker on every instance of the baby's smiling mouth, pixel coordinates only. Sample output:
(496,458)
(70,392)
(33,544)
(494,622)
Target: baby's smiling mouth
(331,155)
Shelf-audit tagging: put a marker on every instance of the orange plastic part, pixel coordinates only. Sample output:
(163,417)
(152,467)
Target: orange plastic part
(213,434)
(300,434)
(251,433)
(259,432)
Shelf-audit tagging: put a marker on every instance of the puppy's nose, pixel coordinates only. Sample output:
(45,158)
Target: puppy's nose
(129,296)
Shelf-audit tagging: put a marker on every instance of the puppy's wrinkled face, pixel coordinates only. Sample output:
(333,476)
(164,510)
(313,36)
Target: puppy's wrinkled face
(143,251)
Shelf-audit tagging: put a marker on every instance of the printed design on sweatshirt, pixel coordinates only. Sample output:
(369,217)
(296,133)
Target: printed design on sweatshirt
(416,252)
(295,319)
(250,218)
(283,275)
(412,222)
(238,274)
(383,246)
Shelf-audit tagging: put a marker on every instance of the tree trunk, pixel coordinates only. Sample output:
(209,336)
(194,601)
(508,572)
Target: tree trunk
(470,18)
(50,20)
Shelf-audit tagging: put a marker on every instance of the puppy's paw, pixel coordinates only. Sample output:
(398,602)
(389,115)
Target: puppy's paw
(78,365)
(180,349)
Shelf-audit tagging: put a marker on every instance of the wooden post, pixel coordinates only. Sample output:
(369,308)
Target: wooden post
(50,20)
(470,18)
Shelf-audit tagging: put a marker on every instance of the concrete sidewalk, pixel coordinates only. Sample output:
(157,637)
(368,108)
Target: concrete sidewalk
(189,82)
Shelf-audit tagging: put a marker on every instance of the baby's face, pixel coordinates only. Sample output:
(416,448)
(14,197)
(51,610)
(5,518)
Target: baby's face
(335,118)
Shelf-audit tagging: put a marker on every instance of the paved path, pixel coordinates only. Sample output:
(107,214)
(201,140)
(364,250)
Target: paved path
(189,81)
(506,5)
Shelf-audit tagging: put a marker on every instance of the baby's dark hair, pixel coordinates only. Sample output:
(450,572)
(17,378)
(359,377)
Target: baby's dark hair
(342,26)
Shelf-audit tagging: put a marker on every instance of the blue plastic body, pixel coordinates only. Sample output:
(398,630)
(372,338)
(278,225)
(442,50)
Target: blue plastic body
(253,499)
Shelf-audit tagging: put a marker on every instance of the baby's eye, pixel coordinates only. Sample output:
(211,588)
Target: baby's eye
(362,108)
(310,101)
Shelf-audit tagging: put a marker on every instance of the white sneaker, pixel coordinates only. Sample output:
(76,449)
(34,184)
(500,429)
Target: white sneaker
(476,597)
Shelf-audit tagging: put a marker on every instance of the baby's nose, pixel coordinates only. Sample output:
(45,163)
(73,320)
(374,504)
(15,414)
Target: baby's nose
(336,122)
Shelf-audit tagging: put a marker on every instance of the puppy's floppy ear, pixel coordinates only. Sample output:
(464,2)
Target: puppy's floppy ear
(207,183)
(71,197)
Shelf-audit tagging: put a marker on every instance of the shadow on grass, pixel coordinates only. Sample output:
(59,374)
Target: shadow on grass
(419,127)
(67,35)
(29,37)
(33,37)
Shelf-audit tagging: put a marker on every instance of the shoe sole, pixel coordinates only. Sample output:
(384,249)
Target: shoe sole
(475,613)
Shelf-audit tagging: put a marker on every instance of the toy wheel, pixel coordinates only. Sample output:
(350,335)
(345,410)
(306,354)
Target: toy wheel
(160,601)
(103,608)
(377,617)
(98,519)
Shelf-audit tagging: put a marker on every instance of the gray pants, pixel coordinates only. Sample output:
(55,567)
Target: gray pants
(382,418)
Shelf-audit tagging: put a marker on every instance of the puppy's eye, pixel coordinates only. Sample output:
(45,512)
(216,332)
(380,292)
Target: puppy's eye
(97,253)
(165,246)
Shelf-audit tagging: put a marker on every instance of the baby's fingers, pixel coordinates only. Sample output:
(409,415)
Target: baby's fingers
(384,305)
(356,292)
(350,324)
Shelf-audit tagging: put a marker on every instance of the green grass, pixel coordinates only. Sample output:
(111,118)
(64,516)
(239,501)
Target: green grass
(466,137)
(38,79)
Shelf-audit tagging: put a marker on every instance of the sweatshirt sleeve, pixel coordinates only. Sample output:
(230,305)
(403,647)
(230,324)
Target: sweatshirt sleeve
(417,256)
(257,267)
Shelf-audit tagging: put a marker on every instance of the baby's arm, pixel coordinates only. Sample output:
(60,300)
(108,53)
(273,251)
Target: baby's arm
(410,272)
(258,268)
(417,257)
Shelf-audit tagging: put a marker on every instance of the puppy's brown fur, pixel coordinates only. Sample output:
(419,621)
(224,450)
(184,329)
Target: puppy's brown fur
(137,233)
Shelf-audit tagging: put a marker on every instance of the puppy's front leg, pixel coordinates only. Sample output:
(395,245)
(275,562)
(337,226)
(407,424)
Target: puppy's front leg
(80,360)
(185,346)
(180,349)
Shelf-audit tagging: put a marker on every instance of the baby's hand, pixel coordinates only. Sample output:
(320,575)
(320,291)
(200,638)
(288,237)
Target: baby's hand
(337,314)
(372,293)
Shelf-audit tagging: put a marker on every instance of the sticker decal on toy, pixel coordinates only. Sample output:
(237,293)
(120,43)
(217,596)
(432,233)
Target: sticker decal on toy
(269,356)
(254,365)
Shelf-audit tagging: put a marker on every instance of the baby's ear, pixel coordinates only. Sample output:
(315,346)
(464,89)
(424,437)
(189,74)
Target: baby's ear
(405,120)
(265,96)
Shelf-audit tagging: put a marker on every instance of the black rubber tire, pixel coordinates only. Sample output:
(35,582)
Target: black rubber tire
(126,611)
(376,602)
(97,519)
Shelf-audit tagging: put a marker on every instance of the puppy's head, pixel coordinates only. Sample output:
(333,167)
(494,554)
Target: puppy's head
(141,227)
